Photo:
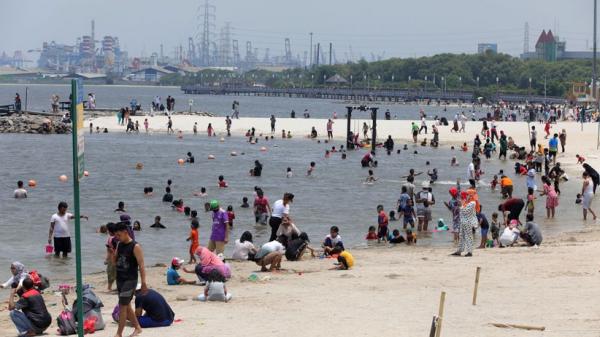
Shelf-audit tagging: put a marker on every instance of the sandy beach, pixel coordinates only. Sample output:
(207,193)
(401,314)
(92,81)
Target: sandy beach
(578,141)
(392,292)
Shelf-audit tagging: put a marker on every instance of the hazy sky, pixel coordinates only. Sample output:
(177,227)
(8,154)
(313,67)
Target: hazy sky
(396,27)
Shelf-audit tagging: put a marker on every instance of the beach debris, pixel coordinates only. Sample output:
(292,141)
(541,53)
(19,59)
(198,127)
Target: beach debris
(63,178)
(518,326)
(32,183)
(476,285)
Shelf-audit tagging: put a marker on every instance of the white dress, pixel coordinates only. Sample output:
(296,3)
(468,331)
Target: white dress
(588,194)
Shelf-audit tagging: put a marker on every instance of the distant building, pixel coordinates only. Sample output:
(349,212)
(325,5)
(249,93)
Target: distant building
(549,48)
(149,74)
(483,48)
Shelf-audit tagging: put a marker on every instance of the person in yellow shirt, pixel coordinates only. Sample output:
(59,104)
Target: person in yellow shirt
(345,260)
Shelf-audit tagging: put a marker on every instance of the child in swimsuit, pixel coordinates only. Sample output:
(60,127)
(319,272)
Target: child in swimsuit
(222,183)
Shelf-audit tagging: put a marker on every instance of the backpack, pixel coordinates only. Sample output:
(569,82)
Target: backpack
(66,323)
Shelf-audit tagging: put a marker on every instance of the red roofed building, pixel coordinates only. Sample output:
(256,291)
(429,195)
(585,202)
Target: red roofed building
(547,46)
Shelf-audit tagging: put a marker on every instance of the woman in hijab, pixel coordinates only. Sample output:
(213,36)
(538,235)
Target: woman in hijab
(207,262)
(593,174)
(19,273)
(468,221)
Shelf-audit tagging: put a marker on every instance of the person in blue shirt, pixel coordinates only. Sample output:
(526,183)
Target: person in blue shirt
(173,277)
(155,309)
(553,145)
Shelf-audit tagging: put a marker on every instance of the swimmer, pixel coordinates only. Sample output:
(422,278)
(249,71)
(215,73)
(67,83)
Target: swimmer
(311,168)
(289,173)
(137,226)
(222,183)
(405,147)
(190,159)
(245,203)
(343,156)
(452,148)
(416,152)
(148,191)
(494,183)
(202,192)
(427,163)
(157,223)
(453,162)
(398,151)
(464,147)
(327,154)
(411,173)
(370,178)
(433,176)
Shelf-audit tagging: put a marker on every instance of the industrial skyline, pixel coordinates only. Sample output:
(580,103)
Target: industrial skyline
(356,29)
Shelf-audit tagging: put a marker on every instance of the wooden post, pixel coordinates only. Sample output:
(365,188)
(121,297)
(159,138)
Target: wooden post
(476,285)
(349,140)
(440,319)
(519,326)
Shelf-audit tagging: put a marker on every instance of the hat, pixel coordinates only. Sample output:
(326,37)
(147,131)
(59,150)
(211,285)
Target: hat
(453,191)
(177,262)
(214,204)
(425,184)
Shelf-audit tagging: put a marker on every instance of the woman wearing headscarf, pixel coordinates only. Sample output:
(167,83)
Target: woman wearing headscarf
(592,174)
(468,221)
(587,195)
(19,273)
(207,262)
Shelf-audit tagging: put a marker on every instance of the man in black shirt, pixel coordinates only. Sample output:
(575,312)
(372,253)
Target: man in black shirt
(129,257)
(157,312)
(29,314)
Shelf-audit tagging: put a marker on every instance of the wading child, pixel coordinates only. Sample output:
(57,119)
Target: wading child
(371,234)
(370,178)
(311,168)
(495,229)
(409,214)
(530,201)
(396,237)
(222,183)
(382,224)
(411,238)
(193,238)
(111,246)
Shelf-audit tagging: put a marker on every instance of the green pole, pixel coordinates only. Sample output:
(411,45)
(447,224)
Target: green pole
(79,279)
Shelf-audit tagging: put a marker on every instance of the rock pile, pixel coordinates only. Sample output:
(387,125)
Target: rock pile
(33,124)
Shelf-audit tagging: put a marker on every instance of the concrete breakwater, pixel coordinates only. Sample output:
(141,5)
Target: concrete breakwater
(26,123)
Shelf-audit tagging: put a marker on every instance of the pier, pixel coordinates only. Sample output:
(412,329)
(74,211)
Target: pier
(364,94)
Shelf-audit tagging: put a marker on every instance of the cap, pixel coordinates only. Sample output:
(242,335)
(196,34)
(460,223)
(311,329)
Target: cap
(177,261)
(425,184)
(214,204)
(453,191)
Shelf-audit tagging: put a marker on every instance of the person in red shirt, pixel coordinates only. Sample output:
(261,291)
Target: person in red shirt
(580,159)
(222,183)
(382,224)
(372,234)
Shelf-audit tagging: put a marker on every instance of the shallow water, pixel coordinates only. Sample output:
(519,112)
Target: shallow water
(334,195)
(250,106)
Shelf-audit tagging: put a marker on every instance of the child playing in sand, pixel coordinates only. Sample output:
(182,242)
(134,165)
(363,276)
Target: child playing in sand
(382,224)
(495,229)
(173,277)
(333,242)
(370,178)
(311,168)
(193,239)
(409,214)
(345,261)
(371,234)
(215,289)
(580,159)
(222,183)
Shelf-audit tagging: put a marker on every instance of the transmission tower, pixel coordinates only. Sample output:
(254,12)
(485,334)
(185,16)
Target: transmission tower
(526,39)
(206,26)
(288,51)
(191,57)
(249,58)
(225,45)
(236,53)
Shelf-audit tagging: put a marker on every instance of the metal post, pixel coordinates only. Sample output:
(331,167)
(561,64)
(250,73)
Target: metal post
(374,129)
(349,117)
(78,276)
(26,96)
(311,50)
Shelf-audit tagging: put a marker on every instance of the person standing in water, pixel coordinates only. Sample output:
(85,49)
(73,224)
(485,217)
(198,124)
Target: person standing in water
(219,233)
(59,230)
(280,209)
(129,258)
(587,192)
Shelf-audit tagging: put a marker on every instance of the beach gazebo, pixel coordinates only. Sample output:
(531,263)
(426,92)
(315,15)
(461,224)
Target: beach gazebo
(336,79)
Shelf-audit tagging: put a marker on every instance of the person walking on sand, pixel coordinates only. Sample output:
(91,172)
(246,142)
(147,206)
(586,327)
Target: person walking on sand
(170,125)
(468,222)
(415,131)
(228,125)
(59,230)
(329,129)
(129,258)
(463,122)
(563,139)
(273,120)
(587,192)
(423,124)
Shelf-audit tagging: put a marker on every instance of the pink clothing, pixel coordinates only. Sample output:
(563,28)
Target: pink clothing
(551,196)
(208,258)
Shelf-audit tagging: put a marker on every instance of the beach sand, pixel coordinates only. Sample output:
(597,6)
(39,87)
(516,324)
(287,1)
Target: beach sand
(392,292)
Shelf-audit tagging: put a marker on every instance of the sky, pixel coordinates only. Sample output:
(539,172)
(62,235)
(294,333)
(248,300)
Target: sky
(392,28)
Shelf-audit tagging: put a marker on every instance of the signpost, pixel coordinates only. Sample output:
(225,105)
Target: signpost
(78,166)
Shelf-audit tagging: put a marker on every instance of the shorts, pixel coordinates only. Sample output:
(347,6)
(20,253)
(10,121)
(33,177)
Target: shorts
(484,232)
(262,218)
(382,232)
(147,322)
(217,247)
(424,213)
(126,290)
(415,133)
(111,272)
(552,153)
(533,142)
(62,245)
(507,190)
(409,220)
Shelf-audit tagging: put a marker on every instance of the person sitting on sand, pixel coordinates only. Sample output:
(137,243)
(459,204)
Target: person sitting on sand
(244,249)
(29,313)
(215,289)
(297,247)
(287,231)
(173,277)
(152,310)
(531,234)
(333,243)
(270,254)
(345,261)
(510,234)
(313,133)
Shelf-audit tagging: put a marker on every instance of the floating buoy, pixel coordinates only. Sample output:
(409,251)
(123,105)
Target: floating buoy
(139,166)
(222,139)
(233,153)
(86,173)
(32,183)
(210,156)
(252,142)
(63,178)
(263,149)
(180,161)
